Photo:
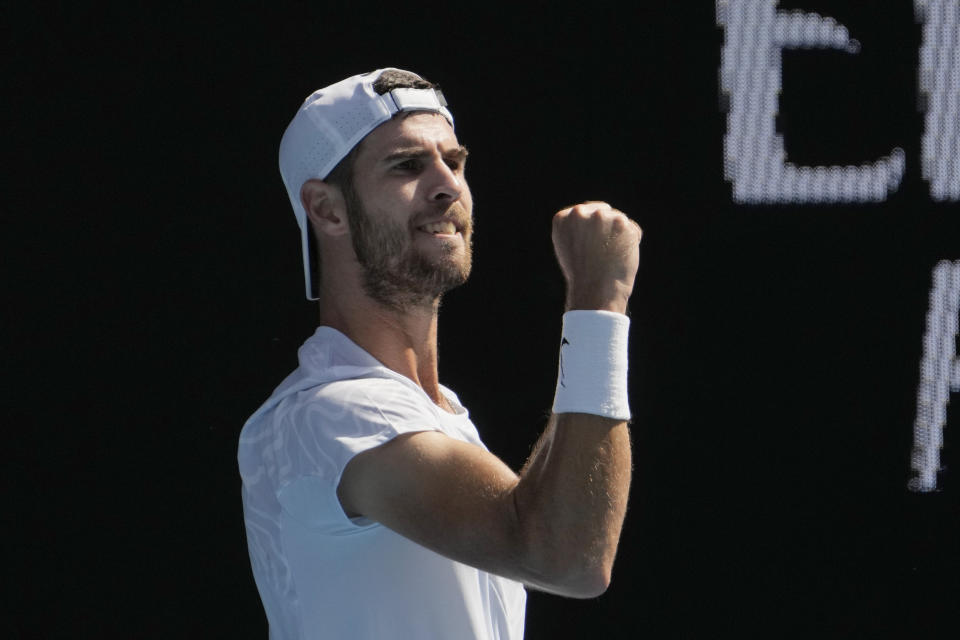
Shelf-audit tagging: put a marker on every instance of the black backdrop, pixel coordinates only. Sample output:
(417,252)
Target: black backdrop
(153,288)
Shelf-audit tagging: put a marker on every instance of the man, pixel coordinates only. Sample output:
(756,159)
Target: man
(372,508)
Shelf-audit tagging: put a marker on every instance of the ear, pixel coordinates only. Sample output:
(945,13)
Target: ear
(325,207)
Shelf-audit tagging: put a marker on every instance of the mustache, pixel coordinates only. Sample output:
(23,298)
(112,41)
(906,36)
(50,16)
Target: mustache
(454,212)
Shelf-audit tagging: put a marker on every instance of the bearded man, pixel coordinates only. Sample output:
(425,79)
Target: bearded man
(372,508)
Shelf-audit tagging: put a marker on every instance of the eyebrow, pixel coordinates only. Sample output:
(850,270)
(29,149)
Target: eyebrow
(407,153)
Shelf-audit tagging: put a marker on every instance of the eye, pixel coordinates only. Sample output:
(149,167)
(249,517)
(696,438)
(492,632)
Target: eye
(410,164)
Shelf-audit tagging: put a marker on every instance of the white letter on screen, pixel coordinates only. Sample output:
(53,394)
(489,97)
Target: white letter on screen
(939,375)
(755,161)
(940,96)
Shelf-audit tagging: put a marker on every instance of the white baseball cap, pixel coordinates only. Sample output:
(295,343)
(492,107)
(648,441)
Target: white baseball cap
(330,123)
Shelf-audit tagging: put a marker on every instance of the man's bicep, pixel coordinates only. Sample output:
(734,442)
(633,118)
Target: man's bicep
(450,496)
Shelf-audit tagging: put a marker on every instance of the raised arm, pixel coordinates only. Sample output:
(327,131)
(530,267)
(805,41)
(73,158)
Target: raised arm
(556,525)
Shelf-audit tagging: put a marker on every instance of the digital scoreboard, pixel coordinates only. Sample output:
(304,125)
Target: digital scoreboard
(756,32)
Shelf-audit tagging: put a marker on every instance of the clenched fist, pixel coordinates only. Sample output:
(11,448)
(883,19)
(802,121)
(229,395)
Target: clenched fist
(598,249)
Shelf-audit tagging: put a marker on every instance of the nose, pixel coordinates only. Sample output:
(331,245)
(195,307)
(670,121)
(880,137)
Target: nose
(446,184)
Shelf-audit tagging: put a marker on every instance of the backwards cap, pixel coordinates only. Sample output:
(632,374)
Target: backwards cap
(329,124)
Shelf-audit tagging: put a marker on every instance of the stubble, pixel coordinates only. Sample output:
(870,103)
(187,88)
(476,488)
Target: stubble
(394,273)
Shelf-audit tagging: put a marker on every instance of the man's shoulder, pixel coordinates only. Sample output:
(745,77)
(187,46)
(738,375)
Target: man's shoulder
(381,390)
(376,397)
(355,413)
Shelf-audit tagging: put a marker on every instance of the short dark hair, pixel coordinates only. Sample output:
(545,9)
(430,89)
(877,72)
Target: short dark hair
(397,79)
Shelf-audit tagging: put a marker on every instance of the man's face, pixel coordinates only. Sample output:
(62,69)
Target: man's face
(410,211)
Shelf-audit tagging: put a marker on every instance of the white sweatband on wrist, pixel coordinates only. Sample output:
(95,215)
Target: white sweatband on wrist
(593,365)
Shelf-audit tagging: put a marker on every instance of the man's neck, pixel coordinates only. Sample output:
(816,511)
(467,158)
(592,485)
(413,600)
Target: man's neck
(405,340)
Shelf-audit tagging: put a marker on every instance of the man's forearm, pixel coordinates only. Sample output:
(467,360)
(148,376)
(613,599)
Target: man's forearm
(571,501)
(572,495)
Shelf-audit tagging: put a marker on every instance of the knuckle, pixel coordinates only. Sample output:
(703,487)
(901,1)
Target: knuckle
(590,207)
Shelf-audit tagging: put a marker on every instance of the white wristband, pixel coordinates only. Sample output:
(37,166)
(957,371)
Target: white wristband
(593,365)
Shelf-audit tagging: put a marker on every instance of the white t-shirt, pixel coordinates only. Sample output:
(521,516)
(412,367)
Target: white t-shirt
(321,574)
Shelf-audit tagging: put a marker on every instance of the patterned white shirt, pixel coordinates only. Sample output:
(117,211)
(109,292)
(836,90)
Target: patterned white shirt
(321,574)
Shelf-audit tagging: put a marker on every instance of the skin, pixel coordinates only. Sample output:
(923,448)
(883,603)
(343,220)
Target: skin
(554,526)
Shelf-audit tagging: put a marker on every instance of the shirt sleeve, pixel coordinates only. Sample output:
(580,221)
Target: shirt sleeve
(324,428)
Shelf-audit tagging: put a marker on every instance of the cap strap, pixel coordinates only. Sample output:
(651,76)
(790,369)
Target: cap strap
(407,99)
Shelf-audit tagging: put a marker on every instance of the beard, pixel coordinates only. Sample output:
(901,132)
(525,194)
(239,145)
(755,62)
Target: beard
(394,273)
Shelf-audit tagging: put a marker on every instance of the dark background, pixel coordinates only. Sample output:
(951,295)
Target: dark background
(154,298)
